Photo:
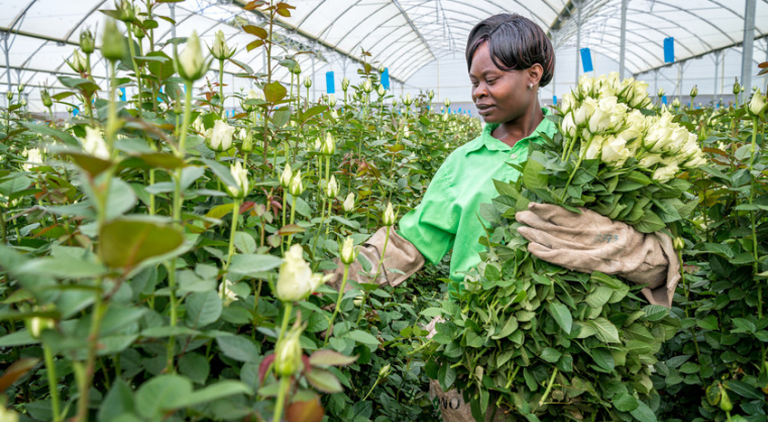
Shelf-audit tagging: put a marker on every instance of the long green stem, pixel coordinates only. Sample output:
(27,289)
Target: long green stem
(549,388)
(752,214)
(93,338)
(293,215)
(383,252)
(221,87)
(233,230)
(338,304)
(284,384)
(50,367)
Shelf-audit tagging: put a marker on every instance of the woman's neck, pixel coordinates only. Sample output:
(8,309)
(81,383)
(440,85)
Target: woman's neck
(517,129)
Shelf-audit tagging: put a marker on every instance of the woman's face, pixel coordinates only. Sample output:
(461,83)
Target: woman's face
(500,96)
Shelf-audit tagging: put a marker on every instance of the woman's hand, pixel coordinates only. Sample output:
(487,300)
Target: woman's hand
(590,242)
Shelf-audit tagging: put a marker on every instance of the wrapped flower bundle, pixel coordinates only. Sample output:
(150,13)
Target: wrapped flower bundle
(542,343)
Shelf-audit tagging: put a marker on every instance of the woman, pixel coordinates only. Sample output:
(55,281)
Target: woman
(509,57)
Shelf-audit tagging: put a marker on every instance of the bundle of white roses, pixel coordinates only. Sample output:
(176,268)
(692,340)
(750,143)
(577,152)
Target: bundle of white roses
(609,120)
(616,154)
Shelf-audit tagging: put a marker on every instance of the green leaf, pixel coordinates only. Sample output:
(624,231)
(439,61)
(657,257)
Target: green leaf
(324,381)
(446,376)
(625,402)
(509,327)
(551,355)
(203,308)
(331,358)
(49,131)
(745,390)
(562,315)
(649,223)
(606,331)
(194,366)
(213,392)
(534,176)
(121,199)
(743,325)
(62,268)
(119,400)
(709,322)
(655,312)
(237,347)
(274,91)
(252,264)
(126,242)
(160,393)
(362,337)
(245,243)
(643,413)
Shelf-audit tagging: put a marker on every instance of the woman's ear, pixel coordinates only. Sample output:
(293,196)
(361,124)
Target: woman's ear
(534,74)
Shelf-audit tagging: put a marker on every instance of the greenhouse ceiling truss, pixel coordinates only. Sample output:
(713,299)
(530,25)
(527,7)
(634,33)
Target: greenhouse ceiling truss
(402,35)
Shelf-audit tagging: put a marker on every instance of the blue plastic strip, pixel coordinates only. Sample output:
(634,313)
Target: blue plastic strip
(664,99)
(554,99)
(385,78)
(669,50)
(586,60)
(329,83)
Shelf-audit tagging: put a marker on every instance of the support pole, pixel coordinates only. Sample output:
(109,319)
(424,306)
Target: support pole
(622,48)
(748,46)
(554,71)
(438,79)
(578,40)
(717,66)
(314,85)
(722,76)
(7,51)
(679,88)
(656,83)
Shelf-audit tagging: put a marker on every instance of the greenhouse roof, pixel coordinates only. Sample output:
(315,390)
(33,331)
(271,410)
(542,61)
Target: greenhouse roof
(403,35)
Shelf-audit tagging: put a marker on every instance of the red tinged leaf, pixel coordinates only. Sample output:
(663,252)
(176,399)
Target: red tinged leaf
(331,358)
(246,206)
(255,30)
(264,367)
(305,411)
(16,371)
(290,229)
(254,44)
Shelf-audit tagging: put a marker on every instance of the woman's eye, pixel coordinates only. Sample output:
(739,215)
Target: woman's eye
(490,81)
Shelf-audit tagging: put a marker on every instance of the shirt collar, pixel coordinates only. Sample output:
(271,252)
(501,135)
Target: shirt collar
(487,140)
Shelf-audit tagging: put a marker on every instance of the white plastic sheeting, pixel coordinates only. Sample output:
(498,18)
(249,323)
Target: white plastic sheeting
(403,35)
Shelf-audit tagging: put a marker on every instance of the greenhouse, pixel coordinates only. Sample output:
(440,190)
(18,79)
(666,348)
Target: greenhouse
(383,210)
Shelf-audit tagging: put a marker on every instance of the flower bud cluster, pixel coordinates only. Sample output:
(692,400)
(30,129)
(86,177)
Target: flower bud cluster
(606,115)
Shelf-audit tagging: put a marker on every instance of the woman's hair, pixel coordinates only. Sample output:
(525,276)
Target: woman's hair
(515,43)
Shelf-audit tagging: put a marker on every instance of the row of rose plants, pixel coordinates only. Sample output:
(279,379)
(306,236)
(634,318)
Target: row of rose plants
(163,260)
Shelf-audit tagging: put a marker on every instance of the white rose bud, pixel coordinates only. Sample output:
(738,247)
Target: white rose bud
(381,91)
(385,370)
(220,136)
(407,100)
(286,176)
(676,103)
(240,175)
(344,84)
(332,190)
(332,101)
(78,63)
(296,280)
(36,325)
(34,159)
(431,94)
(191,63)
(569,126)
(660,93)
(694,92)
(447,102)
(226,293)
(757,105)
(367,86)
(307,82)
(329,146)
(297,188)
(389,216)
(349,203)
(288,354)
(94,143)
(220,49)
(348,252)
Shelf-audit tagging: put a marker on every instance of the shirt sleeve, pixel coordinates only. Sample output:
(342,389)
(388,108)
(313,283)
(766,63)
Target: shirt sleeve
(432,225)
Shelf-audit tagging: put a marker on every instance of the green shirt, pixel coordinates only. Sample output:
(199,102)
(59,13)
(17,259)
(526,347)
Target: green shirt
(447,218)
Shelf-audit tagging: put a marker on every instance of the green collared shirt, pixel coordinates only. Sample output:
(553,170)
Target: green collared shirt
(447,218)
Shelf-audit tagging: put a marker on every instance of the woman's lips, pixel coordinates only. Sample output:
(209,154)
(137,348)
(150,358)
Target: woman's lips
(484,109)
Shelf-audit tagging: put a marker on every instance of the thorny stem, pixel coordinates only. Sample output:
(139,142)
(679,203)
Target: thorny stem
(549,388)
(51,370)
(338,304)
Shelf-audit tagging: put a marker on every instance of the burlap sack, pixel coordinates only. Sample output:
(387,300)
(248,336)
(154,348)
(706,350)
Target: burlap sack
(452,404)
(590,242)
